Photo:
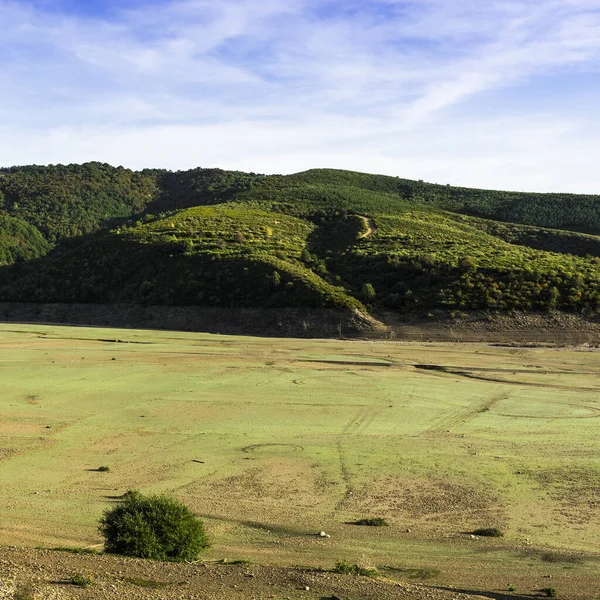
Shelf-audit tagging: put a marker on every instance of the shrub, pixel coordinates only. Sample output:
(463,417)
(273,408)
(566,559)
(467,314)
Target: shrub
(488,532)
(103,469)
(156,527)
(341,566)
(368,292)
(550,592)
(372,522)
(81,580)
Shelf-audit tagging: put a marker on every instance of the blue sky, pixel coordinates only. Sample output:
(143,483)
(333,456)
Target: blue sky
(487,93)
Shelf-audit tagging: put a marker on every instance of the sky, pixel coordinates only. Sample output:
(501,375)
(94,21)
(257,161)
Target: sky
(501,94)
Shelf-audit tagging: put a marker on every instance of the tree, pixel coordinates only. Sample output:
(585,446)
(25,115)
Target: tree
(152,526)
(368,292)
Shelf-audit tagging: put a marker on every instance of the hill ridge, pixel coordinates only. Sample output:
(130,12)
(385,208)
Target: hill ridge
(315,239)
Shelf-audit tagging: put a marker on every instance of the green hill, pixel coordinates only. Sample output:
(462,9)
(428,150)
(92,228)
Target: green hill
(19,240)
(322,238)
(215,255)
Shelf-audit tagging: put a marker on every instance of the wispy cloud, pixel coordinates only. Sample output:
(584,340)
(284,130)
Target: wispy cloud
(416,88)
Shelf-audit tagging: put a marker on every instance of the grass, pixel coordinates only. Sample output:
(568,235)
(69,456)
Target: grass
(559,557)
(420,573)
(331,429)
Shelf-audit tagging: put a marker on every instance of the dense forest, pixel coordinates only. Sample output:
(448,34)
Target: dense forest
(322,238)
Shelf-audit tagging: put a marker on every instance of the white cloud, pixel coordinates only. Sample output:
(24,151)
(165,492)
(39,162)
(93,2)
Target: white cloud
(282,85)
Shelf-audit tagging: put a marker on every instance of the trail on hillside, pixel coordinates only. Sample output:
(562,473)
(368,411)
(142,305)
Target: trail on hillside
(370,227)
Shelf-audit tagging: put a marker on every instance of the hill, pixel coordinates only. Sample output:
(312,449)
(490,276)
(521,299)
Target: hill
(318,239)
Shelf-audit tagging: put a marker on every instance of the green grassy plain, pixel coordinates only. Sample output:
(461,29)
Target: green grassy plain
(272,441)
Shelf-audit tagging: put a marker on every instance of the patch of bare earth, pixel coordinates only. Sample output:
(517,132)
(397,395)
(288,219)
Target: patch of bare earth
(448,505)
(7,453)
(45,574)
(277,489)
(575,490)
(514,329)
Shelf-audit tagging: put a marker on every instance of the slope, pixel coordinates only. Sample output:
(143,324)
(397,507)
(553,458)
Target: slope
(19,240)
(321,238)
(213,255)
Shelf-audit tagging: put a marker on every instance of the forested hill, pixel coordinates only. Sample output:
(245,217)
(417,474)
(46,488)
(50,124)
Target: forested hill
(321,238)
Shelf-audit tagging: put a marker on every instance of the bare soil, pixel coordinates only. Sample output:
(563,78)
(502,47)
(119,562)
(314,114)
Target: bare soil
(29,573)
(268,322)
(515,329)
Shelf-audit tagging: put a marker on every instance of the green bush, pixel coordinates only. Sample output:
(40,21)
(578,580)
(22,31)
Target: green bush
(488,532)
(81,580)
(341,566)
(156,527)
(372,522)
(550,592)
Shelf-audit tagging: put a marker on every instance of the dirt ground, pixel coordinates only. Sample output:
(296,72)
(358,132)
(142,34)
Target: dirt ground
(28,574)
(515,328)
(271,441)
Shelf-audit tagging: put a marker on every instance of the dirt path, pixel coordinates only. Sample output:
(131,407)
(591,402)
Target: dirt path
(370,227)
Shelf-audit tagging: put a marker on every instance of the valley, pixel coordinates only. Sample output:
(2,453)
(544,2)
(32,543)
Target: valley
(271,441)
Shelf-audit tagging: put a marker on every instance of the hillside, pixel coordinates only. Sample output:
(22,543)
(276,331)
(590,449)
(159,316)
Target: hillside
(319,239)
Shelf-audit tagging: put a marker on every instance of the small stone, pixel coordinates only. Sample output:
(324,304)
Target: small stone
(323,534)
(306,588)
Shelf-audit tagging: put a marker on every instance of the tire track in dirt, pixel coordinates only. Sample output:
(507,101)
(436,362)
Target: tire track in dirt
(360,418)
(592,409)
(462,415)
(569,388)
(456,369)
(476,373)
(344,470)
